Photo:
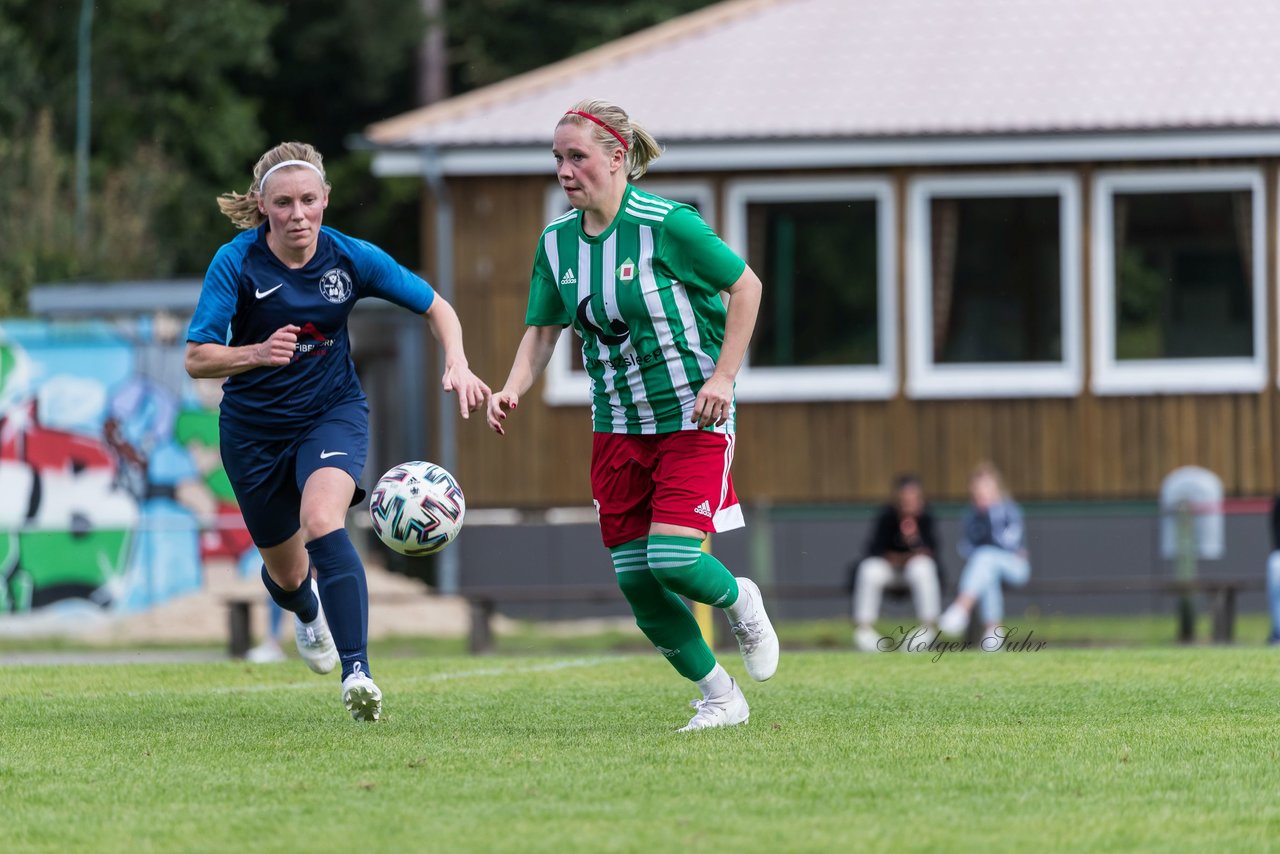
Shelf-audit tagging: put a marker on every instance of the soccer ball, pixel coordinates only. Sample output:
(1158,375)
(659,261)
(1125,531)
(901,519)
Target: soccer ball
(417,508)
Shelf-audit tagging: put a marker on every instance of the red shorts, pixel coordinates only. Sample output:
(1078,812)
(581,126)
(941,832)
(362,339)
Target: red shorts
(677,478)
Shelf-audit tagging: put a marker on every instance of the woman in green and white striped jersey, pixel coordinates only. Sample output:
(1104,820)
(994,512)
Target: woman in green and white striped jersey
(641,278)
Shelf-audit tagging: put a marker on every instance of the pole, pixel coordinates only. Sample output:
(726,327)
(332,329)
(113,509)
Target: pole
(83,86)
(433,64)
(447,578)
(1185,570)
(702,612)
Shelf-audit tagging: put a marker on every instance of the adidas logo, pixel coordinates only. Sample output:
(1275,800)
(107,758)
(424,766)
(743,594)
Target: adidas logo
(669,653)
(703,509)
(569,278)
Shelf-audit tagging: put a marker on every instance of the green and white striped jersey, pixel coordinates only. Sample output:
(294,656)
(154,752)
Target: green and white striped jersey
(645,297)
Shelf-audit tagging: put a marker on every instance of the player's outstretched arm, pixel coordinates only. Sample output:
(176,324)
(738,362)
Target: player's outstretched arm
(208,360)
(716,395)
(532,356)
(447,329)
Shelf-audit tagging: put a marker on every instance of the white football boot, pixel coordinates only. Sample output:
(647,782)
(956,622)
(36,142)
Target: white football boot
(954,621)
(919,640)
(756,638)
(866,639)
(729,710)
(266,652)
(361,697)
(315,644)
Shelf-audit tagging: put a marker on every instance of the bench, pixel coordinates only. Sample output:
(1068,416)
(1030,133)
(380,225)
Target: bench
(239,635)
(240,613)
(482,602)
(1222,592)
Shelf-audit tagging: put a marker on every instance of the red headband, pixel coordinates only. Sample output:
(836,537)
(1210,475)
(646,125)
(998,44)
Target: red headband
(590,117)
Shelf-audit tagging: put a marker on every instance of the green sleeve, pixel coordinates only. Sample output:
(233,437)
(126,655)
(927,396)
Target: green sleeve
(546,308)
(695,255)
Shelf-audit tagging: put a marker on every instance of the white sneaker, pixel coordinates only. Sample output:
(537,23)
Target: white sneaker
(919,640)
(866,639)
(266,652)
(361,697)
(953,621)
(315,644)
(730,710)
(756,637)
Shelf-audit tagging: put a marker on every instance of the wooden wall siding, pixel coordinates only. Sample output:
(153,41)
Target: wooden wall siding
(543,459)
(1087,447)
(1112,448)
(1049,449)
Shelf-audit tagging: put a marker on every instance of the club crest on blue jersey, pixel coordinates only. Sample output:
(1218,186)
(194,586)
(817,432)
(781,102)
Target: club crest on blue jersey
(335,285)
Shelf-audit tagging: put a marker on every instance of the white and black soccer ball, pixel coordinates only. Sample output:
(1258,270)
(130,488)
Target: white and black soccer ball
(417,508)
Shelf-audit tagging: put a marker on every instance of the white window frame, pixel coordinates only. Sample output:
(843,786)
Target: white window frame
(925,379)
(563,387)
(827,382)
(1155,376)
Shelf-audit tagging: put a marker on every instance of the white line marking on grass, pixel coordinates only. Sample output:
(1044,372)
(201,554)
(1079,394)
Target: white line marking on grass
(328,684)
(568,664)
(478,673)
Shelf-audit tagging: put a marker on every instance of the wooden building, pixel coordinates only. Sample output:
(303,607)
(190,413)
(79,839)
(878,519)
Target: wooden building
(1039,232)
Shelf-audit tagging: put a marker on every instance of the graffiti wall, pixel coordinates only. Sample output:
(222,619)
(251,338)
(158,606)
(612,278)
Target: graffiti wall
(112,492)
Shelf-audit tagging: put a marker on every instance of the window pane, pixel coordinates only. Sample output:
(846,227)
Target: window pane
(1183,274)
(819,264)
(997,279)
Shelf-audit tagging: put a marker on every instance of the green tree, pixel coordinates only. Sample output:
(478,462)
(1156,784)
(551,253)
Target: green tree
(490,40)
(19,79)
(340,65)
(185,96)
(168,132)
(37,217)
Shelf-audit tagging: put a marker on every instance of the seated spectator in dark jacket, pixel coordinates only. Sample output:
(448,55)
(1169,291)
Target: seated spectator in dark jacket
(900,552)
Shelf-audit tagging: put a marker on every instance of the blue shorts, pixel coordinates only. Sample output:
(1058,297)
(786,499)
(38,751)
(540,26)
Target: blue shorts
(268,473)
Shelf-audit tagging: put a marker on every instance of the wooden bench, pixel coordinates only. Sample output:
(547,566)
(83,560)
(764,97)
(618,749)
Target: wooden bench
(483,602)
(1222,592)
(240,618)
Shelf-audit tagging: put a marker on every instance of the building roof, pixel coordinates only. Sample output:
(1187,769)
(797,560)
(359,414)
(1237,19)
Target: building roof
(772,70)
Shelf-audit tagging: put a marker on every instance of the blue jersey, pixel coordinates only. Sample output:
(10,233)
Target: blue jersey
(249,293)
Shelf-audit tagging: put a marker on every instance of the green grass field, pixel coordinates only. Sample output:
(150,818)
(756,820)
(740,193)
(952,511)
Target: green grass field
(1062,749)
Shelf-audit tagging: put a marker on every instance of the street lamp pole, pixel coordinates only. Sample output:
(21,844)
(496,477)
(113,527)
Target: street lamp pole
(83,86)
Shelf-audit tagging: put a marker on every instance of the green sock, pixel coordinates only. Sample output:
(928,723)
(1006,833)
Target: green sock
(660,614)
(682,566)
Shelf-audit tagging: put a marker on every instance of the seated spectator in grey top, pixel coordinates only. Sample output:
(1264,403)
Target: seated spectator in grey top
(994,552)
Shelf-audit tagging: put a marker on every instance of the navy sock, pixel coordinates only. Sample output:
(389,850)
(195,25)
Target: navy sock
(345,594)
(302,601)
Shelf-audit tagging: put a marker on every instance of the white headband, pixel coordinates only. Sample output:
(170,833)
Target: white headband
(263,182)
